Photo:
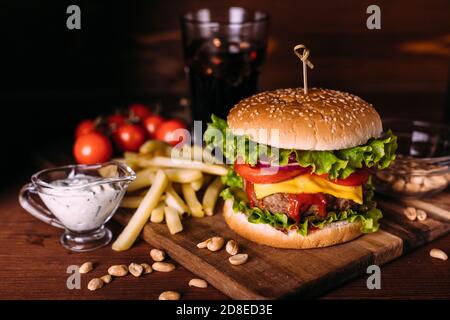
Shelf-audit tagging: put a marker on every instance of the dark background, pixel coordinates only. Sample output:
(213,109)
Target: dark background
(130,51)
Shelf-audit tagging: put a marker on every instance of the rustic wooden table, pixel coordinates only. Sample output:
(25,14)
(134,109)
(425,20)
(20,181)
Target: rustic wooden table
(33,266)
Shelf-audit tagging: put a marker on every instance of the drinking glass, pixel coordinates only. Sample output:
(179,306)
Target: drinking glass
(224,51)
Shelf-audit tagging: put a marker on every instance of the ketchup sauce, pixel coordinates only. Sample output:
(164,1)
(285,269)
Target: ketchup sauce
(300,203)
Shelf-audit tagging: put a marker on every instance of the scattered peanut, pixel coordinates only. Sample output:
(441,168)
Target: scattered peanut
(163,266)
(215,244)
(232,247)
(135,269)
(95,284)
(169,295)
(203,244)
(421,215)
(118,270)
(106,278)
(438,254)
(410,213)
(199,283)
(157,255)
(86,267)
(147,268)
(238,259)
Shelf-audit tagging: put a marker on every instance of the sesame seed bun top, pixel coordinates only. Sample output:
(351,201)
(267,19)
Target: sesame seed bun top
(321,120)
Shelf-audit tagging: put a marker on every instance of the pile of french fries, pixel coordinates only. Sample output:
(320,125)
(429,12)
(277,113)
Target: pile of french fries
(167,187)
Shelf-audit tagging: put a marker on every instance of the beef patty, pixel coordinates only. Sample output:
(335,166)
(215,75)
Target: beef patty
(279,202)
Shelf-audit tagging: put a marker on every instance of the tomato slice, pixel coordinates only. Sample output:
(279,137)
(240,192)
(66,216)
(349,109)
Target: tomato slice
(265,175)
(357,178)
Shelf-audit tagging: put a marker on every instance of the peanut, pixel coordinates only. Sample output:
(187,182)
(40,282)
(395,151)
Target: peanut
(86,267)
(163,267)
(439,181)
(203,244)
(215,244)
(135,269)
(157,255)
(417,180)
(238,259)
(232,247)
(411,187)
(95,284)
(147,268)
(106,278)
(398,185)
(199,283)
(438,254)
(421,215)
(118,270)
(410,213)
(169,295)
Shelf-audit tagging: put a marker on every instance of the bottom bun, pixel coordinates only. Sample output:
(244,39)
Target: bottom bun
(334,233)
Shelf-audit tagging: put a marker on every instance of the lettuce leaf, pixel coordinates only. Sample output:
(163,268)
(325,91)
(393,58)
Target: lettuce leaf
(369,218)
(338,164)
(232,179)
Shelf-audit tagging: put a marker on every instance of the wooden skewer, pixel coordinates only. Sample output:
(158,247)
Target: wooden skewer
(306,63)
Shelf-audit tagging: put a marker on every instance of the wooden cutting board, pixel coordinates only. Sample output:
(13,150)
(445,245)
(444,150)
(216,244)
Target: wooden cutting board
(275,273)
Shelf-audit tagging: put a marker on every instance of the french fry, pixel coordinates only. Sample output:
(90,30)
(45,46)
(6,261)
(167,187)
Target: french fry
(131,159)
(132,165)
(142,214)
(191,199)
(183,176)
(211,195)
(151,146)
(131,202)
(173,220)
(174,200)
(157,215)
(197,184)
(166,162)
(143,179)
(194,152)
(109,171)
(144,192)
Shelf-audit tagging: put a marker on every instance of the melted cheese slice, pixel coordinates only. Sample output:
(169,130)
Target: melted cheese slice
(310,184)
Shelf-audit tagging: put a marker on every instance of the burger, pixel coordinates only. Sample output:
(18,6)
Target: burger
(300,166)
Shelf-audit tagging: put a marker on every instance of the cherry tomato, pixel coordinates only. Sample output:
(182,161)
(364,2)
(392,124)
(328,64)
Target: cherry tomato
(152,123)
(265,175)
(115,121)
(172,132)
(130,137)
(92,148)
(139,111)
(85,127)
(357,178)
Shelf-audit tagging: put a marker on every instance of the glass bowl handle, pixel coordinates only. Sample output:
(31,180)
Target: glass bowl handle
(27,202)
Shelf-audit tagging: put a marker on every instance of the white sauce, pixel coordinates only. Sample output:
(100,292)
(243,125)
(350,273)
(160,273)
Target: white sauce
(82,209)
